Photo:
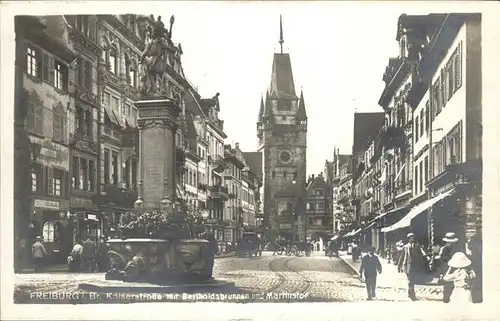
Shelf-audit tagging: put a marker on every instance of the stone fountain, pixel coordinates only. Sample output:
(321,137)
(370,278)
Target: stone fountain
(176,261)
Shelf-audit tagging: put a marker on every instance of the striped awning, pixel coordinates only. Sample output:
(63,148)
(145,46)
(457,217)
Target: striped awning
(406,221)
(111,115)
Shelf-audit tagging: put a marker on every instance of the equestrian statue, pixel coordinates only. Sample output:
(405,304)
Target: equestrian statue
(153,60)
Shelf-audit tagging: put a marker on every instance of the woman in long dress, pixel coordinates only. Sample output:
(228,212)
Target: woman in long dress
(462,276)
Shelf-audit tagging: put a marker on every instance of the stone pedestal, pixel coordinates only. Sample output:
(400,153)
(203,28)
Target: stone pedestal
(157,123)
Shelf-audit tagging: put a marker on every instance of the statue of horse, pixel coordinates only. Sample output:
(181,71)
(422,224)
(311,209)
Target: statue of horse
(153,63)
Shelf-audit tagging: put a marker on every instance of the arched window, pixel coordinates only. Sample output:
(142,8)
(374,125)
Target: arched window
(48,232)
(59,123)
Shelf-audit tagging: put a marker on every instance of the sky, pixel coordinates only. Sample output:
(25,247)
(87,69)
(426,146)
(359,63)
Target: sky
(338,51)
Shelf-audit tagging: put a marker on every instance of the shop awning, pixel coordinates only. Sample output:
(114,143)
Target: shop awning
(355,232)
(390,212)
(111,115)
(369,225)
(406,221)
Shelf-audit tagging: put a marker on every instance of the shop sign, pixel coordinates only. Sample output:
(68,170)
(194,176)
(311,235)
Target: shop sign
(212,221)
(285,226)
(52,205)
(51,153)
(81,201)
(92,217)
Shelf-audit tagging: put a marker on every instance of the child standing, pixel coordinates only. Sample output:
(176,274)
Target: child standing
(370,268)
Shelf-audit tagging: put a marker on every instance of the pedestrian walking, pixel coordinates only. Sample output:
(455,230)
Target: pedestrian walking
(75,258)
(370,268)
(39,254)
(462,275)
(411,262)
(88,254)
(445,255)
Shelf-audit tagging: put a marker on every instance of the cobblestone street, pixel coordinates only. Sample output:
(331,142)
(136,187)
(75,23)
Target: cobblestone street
(323,279)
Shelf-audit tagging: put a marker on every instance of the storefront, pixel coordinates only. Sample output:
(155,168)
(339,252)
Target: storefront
(461,213)
(86,217)
(49,220)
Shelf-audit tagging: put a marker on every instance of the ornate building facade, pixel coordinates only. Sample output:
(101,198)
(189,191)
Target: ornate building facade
(44,99)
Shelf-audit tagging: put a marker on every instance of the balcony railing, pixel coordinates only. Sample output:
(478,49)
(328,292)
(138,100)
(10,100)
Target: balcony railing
(217,161)
(403,188)
(219,191)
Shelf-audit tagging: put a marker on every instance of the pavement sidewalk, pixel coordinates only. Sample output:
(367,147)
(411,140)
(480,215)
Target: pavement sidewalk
(390,276)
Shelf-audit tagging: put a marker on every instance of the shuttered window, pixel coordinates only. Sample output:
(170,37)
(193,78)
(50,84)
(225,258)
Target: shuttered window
(59,122)
(32,61)
(458,67)
(34,119)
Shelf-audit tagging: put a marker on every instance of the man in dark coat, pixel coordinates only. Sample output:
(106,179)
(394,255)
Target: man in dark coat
(210,252)
(370,267)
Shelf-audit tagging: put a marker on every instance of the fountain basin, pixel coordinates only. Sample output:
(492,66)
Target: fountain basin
(158,260)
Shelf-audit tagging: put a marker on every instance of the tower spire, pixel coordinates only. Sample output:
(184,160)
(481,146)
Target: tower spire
(281,34)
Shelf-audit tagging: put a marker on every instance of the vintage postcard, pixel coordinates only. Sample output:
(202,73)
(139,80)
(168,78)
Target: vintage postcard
(247,153)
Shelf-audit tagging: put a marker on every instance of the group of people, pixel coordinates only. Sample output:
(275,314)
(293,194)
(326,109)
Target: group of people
(87,256)
(461,282)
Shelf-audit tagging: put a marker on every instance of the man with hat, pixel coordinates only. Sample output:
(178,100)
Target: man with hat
(445,255)
(39,253)
(411,263)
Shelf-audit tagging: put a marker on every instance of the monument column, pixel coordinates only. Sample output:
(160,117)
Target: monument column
(158,121)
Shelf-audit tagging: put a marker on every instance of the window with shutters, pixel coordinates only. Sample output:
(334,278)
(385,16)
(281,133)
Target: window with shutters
(426,169)
(83,121)
(421,177)
(32,61)
(59,124)
(417,131)
(415,176)
(34,119)
(60,73)
(422,124)
(437,97)
(427,120)
(57,182)
(458,67)
(451,157)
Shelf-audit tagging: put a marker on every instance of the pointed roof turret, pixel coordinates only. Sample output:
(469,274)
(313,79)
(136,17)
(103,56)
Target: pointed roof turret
(268,110)
(262,108)
(301,114)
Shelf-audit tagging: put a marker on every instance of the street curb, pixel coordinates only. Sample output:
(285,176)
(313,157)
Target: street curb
(351,267)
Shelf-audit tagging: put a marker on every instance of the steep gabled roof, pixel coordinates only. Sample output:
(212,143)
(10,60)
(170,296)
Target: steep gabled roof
(254,161)
(366,127)
(316,182)
(282,85)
